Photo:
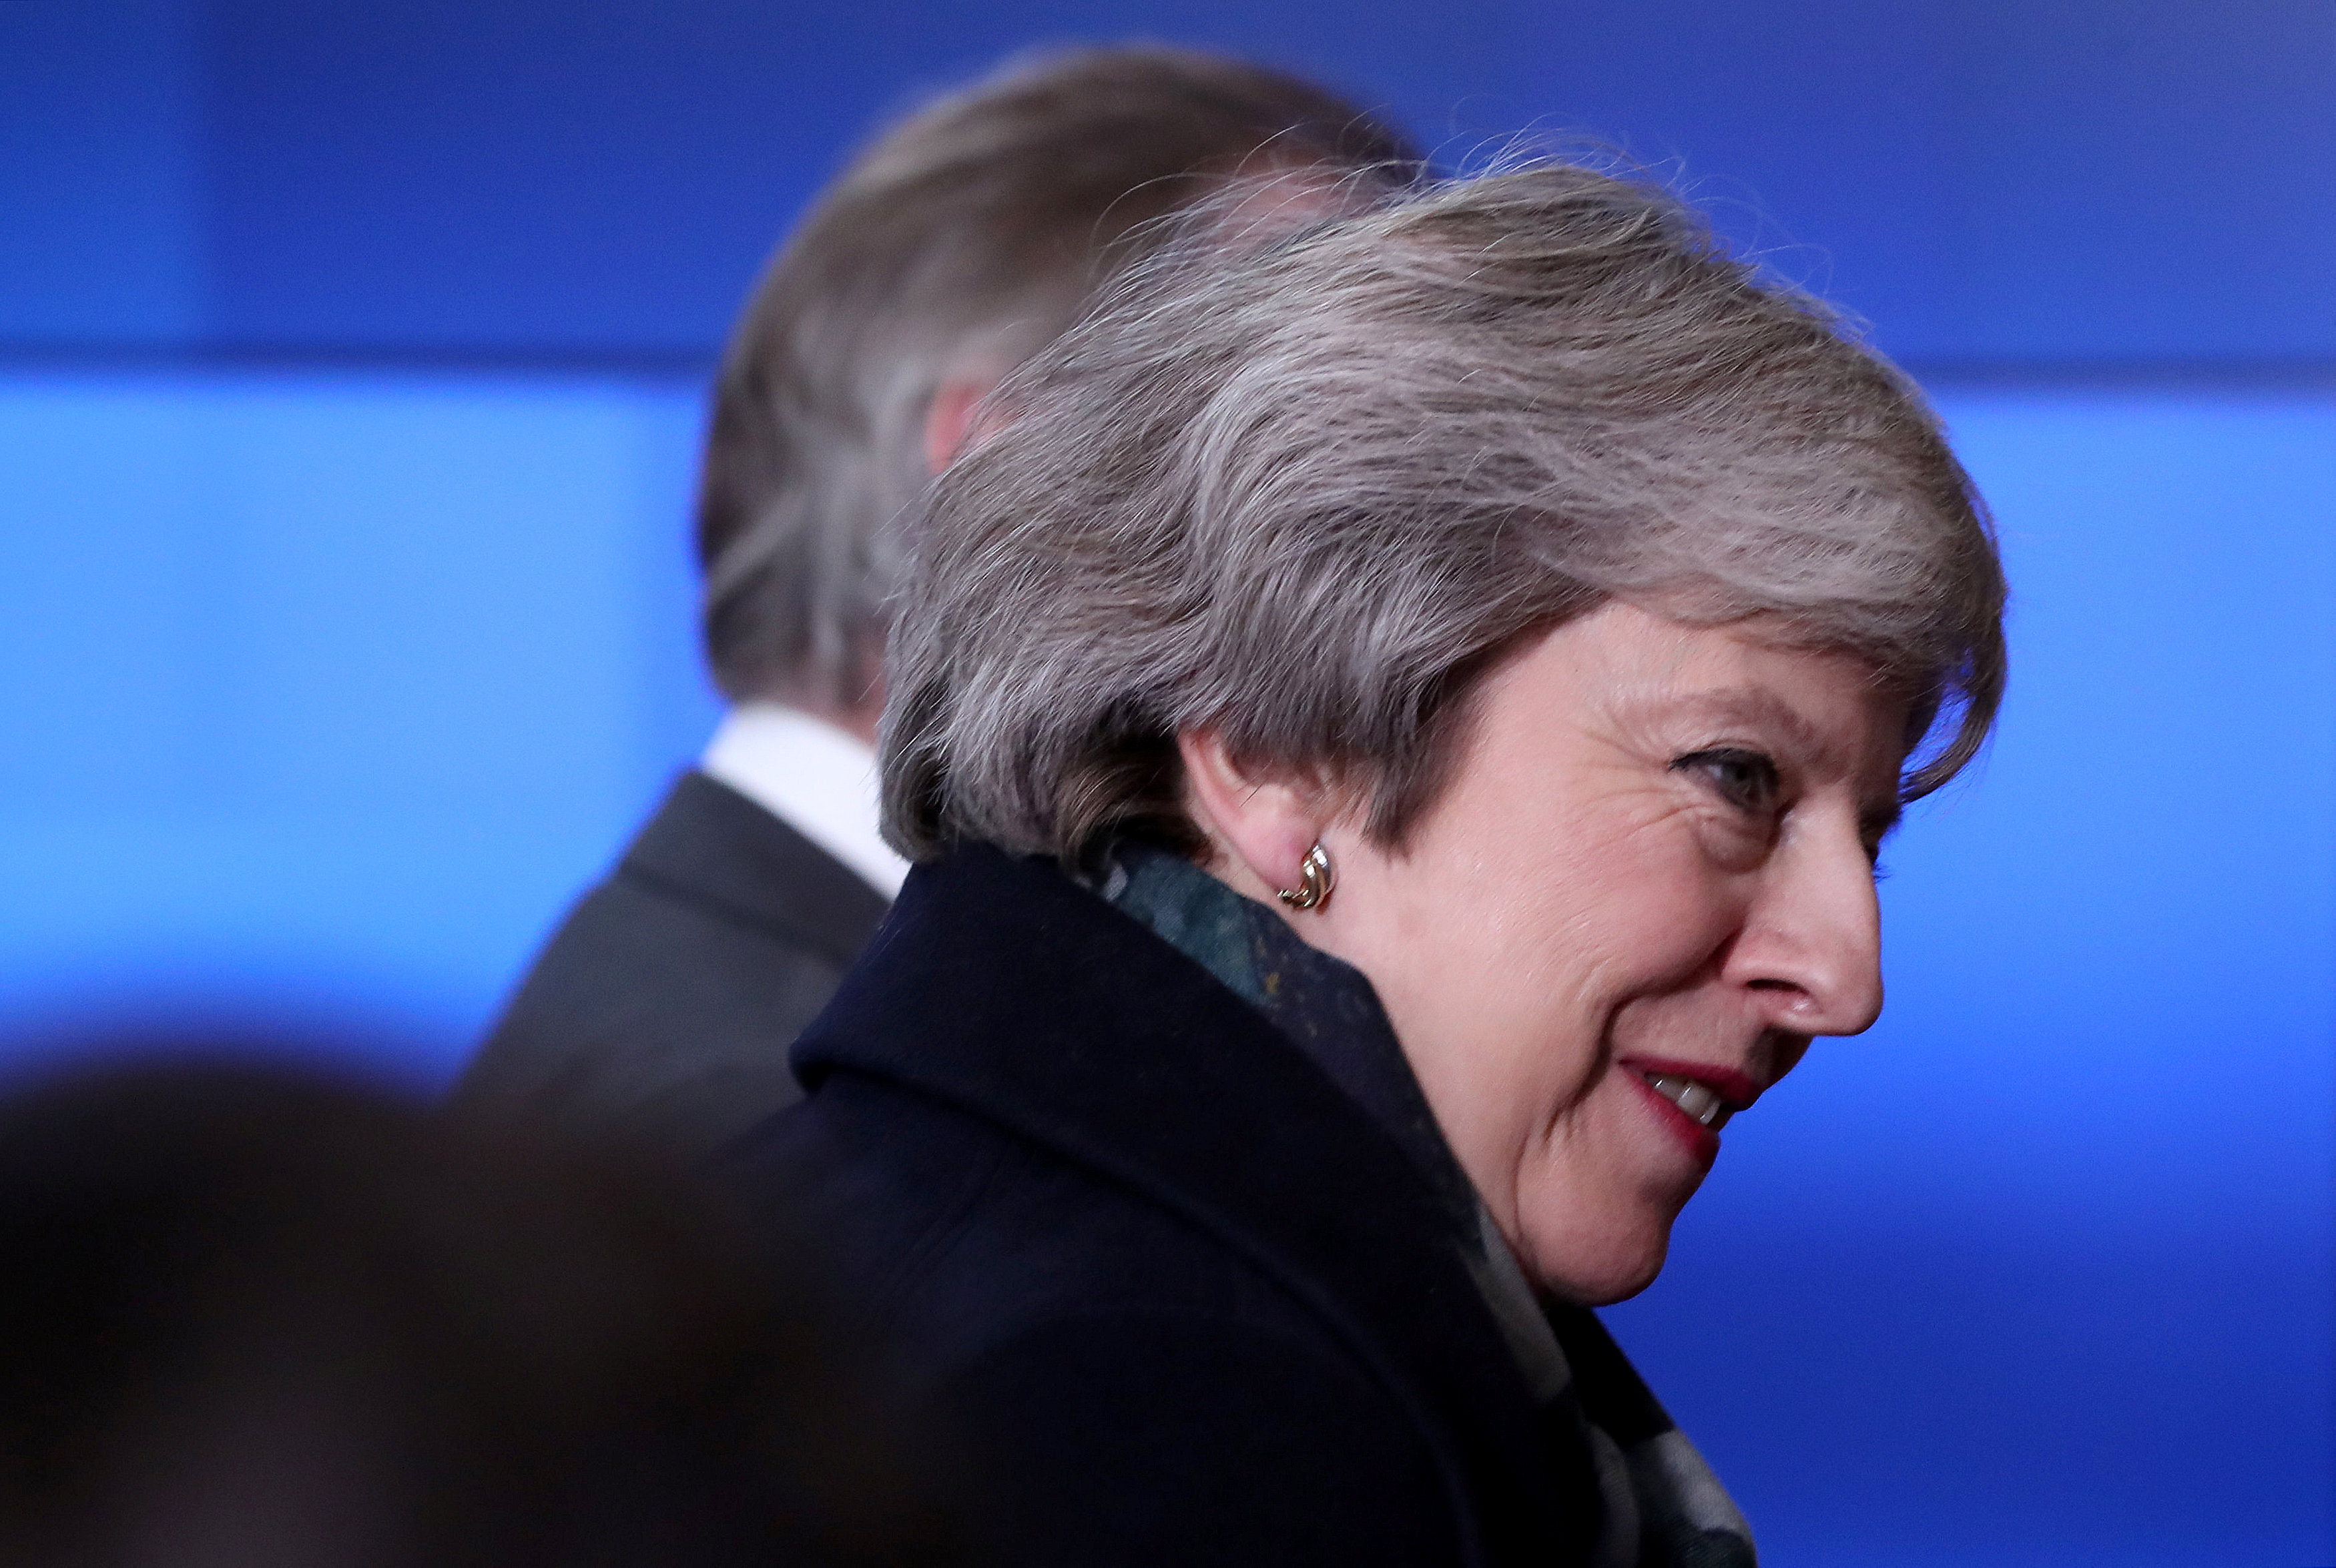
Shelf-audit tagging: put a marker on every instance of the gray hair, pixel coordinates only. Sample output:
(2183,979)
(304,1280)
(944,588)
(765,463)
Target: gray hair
(1307,495)
(955,244)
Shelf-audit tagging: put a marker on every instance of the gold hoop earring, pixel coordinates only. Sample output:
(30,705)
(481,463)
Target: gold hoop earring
(1315,880)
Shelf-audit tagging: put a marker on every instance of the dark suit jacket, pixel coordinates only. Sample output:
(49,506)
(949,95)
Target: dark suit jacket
(663,1007)
(1180,1298)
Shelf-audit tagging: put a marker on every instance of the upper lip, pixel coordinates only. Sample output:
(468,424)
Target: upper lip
(1736,1090)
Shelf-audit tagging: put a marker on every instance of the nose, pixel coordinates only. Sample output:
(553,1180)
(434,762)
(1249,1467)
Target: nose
(1811,946)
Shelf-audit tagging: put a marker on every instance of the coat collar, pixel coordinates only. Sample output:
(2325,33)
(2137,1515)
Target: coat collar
(1324,1006)
(1000,986)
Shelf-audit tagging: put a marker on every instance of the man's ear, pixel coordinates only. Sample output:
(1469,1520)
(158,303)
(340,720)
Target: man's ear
(1262,826)
(959,412)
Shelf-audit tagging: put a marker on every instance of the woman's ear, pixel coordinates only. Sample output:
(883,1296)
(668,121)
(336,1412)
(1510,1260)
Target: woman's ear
(1263,828)
(957,414)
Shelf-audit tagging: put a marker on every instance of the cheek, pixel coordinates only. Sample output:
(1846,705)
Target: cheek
(1624,909)
(1524,945)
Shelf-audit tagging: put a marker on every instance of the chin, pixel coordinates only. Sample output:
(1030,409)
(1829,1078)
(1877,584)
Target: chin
(1597,1272)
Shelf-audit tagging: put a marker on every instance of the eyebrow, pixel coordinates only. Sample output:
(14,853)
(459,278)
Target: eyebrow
(1758,705)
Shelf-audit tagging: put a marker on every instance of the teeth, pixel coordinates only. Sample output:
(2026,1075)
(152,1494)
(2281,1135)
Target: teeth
(1706,1108)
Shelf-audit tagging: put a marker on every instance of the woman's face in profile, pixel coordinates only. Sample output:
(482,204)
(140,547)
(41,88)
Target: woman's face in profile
(1648,883)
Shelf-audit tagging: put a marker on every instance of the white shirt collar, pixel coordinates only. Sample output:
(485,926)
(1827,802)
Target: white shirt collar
(812,776)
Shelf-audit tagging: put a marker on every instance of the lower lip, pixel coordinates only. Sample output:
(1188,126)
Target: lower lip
(1697,1139)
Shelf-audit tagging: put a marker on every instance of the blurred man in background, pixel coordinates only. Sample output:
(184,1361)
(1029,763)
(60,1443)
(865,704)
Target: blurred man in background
(951,248)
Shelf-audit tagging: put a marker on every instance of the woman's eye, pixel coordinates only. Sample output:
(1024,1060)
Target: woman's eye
(1748,780)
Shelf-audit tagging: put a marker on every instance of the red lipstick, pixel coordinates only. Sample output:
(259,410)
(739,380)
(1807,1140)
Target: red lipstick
(1736,1088)
(1694,1099)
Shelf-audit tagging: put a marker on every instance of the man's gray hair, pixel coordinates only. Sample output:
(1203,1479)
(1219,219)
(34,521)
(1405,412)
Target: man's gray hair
(1307,495)
(954,245)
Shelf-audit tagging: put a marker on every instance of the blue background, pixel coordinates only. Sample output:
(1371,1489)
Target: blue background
(351,359)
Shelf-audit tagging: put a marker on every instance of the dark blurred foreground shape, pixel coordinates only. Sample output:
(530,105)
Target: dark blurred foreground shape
(258,1319)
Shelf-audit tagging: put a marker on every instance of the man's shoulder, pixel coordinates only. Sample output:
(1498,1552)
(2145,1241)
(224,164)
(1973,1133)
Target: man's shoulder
(663,1005)
(632,962)
(713,849)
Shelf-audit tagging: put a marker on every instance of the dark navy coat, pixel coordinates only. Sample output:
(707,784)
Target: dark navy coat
(1179,1299)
